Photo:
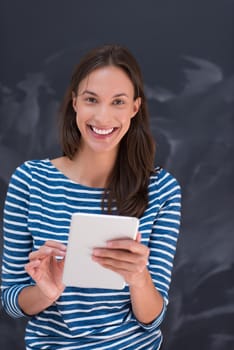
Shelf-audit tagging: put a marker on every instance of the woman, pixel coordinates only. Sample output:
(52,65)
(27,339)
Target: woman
(107,167)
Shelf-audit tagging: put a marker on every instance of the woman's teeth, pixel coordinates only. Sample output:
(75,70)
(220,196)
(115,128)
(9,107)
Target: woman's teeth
(102,131)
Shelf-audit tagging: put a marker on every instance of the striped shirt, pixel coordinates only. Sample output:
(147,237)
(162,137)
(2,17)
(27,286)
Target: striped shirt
(38,207)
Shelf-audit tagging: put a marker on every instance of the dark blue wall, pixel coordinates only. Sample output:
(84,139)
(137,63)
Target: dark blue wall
(185,49)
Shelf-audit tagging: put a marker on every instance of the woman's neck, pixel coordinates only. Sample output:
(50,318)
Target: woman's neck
(90,170)
(93,170)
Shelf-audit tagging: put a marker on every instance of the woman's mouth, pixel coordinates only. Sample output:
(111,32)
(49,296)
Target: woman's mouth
(101,131)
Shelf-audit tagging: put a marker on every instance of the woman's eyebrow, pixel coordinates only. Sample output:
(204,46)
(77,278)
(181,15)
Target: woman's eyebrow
(89,92)
(121,94)
(94,94)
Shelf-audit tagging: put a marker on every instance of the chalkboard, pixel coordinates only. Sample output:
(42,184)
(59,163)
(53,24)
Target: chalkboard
(185,49)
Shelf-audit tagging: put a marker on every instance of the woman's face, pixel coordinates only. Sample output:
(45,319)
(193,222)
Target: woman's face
(104,107)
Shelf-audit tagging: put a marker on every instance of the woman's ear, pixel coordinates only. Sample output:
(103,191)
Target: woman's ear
(74,101)
(136,106)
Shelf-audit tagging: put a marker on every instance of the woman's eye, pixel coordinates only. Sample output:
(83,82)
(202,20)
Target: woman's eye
(91,100)
(118,102)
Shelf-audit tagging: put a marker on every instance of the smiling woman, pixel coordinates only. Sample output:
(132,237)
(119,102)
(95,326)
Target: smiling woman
(109,84)
(103,120)
(107,167)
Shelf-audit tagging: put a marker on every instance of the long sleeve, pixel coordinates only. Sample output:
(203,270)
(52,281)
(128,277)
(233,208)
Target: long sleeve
(166,199)
(164,236)
(17,241)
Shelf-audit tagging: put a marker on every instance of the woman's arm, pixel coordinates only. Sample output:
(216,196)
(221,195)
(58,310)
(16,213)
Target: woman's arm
(162,248)
(32,300)
(17,240)
(129,258)
(147,302)
(30,281)
(147,270)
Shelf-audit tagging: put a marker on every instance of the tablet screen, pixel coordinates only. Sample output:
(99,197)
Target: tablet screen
(88,231)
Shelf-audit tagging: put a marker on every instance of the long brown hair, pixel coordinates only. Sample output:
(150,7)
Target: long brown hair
(127,188)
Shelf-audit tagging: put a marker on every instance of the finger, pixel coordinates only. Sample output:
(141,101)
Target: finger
(111,264)
(138,237)
(56,245)
(31,267)
(128,244)
(121,266)
(120,256)
(46,251)
(115,254)
(32,264)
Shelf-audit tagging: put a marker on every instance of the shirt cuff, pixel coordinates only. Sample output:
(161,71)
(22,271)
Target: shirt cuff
(10,301)
(155,323)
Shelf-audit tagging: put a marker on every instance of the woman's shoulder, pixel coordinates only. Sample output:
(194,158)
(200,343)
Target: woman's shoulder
(163,180)
(35,164)
(27,168)
(22,176)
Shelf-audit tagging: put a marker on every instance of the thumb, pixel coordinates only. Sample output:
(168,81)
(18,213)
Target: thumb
(138,237)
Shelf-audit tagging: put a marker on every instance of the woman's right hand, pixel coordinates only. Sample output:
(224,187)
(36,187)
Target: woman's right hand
(46,270)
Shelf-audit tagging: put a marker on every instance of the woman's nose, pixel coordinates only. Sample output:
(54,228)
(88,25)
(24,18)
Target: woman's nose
(103,113)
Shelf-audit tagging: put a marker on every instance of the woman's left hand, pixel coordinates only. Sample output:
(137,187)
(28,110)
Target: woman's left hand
(125,256)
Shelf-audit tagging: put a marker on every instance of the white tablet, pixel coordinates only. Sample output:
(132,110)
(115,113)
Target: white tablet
(86,232)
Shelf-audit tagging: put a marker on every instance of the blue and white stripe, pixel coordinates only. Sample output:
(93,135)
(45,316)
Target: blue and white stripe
(38,207)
